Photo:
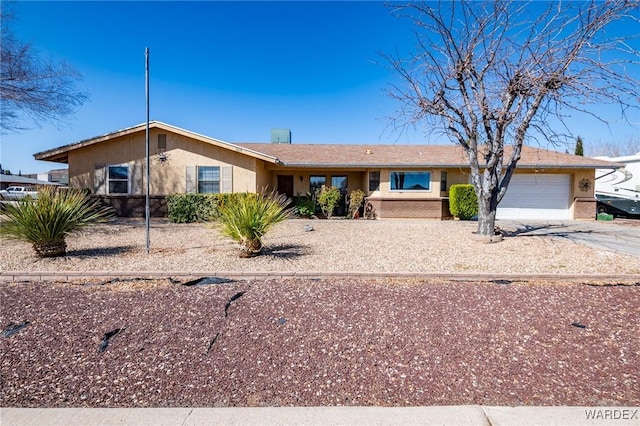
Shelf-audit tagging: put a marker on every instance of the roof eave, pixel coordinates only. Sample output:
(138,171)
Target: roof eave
(612,166)
(444,166)
(57,152)
(369,165)
(60,154)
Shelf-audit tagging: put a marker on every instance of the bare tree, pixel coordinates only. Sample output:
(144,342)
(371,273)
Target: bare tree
(33,87)
(627,146)
(493,75)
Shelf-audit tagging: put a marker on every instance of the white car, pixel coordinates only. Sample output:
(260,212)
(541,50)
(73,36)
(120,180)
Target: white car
(17,192)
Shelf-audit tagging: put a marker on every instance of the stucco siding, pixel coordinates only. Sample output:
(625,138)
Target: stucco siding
(583,198)
(167,173)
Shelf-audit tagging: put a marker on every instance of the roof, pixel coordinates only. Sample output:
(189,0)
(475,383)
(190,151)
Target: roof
(347,155)
(410,156)
(22,180)
(61,154)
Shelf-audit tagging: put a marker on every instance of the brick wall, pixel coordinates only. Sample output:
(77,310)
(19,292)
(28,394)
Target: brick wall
(431,208)
(584,208)
(134,205)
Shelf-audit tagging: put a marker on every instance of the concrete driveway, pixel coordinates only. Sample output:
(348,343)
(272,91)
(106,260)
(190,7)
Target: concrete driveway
(600,234)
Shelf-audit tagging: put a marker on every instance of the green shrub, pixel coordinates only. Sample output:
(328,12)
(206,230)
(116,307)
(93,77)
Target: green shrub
(46,220)
(305,206)
(187,208)
(355,202)
(463,201)
(246,217)
(328,198)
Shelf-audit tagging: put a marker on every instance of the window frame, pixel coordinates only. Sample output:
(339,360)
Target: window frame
(200,181)
(344,183)
(407,173)
(118,180)
(443,181)
(311,184)
(376,182)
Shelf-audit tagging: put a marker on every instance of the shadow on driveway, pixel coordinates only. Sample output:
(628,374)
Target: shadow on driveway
(605,235)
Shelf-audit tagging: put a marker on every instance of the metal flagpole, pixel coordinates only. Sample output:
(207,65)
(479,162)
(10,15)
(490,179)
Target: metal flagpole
(146,78)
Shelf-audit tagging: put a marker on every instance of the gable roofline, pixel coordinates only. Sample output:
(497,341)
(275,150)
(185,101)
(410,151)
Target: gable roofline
(60,154)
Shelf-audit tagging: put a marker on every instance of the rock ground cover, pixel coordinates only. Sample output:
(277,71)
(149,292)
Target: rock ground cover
(333,246)
(400,342)
(385,342)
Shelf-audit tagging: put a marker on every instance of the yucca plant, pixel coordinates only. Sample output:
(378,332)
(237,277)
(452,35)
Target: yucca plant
(46,220)
(247,217)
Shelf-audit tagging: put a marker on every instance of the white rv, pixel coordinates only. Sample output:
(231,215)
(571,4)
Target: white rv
(618,191)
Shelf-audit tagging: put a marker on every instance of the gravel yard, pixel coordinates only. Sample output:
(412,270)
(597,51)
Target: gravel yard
(307,342)
(320,342)
(333,246)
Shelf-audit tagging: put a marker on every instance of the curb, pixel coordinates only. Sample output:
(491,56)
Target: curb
(16,276)
(431,415)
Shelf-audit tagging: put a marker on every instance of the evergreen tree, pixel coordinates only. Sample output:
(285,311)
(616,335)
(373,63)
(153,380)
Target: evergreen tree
(579,148)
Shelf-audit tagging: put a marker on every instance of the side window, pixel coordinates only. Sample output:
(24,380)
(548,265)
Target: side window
(443,181)
(208,179)
(118,178)
(374,181)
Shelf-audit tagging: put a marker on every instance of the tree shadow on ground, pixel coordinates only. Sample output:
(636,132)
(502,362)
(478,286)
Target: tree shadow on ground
(544,230)
(286,251)
(101,252)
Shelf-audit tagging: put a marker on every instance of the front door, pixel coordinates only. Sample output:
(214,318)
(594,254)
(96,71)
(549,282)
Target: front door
(285,185)
(340,182)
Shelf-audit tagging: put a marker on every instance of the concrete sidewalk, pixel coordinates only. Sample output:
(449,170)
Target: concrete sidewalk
(445,415)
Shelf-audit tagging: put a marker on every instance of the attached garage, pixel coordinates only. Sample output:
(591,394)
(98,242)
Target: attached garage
(564,191)
(536,196)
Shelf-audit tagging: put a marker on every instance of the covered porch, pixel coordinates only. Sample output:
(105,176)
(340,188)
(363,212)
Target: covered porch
(382,200)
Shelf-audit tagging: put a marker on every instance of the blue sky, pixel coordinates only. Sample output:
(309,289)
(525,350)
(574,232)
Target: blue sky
(230,70)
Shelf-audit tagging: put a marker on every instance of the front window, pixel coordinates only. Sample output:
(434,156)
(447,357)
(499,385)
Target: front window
(316,183)
(208,180)
(339,182)
(118,179)
(374,181)
(410,181)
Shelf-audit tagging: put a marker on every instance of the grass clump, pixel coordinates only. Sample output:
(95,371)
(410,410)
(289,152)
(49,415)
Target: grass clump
(46,220)
(247,217)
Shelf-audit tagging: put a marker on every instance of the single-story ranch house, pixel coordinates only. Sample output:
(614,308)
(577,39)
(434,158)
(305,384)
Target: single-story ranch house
(400,181)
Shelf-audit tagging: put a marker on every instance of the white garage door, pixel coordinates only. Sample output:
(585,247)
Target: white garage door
(536,196)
